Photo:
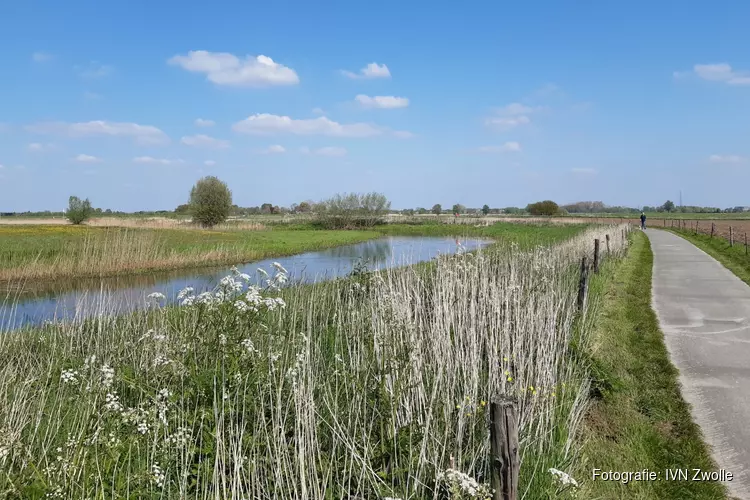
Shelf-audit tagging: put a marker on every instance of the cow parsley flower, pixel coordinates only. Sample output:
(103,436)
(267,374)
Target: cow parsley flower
(564,478)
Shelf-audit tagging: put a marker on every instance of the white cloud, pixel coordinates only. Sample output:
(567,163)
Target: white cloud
(266,124)
(403,134)
(156,161)
(223,68)
(511,116)
(86,159)
(508,147)
(382,101)
(585,171)
(95,70)
(209,163)
(200,122)
(92,96)
(318,111)
(204,141)
(35,146)
(273,149)
(143,134)
(326,151)
(372,70)
(718,72)
(726,159)
(507,123)
(41,57)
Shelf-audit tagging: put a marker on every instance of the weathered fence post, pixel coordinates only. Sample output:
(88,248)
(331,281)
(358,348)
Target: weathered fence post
(583,284)
(504,449)
(696,227)
(607,236)
(596,255)
(731,237)
(745,243)
(712,229)
(665,222)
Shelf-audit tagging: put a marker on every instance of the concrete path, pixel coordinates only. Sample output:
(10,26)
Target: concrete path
(704,312)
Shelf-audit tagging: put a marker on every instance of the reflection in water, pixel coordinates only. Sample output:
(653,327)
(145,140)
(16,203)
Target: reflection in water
(117,295)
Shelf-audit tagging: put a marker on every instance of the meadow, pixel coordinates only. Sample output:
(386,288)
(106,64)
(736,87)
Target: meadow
(373,386)
(42,253)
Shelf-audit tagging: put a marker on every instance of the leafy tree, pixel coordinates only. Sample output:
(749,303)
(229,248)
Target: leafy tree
(486,209)
(79,210)
(304,207)
(421,211)
(458,208)
(437,209)
(266,208)
(546,207)
(668,206)
(210,201)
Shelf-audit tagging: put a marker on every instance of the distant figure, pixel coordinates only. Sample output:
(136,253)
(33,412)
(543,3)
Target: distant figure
(643,220)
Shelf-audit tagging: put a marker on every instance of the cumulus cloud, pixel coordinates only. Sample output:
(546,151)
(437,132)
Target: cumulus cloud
(584,171)
(511,116)
(326,151)
(41,57)
(372,70)
(200,122)
(227,69)
(726,159)
(156,161)
(267,124)
(717,72)
(143,134)
(508,147)
(204,141)
(82,158)
(382,101)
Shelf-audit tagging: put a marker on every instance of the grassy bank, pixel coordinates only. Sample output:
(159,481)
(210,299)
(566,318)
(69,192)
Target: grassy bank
(733,258)
(638,419)
(39,253)
(370,387)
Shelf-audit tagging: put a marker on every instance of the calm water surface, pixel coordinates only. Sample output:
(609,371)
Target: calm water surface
(76,300)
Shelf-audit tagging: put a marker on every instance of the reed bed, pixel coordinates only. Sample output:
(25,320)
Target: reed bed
(374,386)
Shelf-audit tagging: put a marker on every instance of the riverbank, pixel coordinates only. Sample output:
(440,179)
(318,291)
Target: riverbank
(244,394)
(33,255)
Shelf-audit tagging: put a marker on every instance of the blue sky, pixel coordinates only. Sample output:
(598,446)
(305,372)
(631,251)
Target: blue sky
(428,102)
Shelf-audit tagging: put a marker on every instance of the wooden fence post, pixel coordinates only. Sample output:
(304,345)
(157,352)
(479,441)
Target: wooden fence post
(696,227)
(583,284)
(731,237)
(596,256)
(607,236)
(745,243)
(712,229)
(504,449)
(665,222)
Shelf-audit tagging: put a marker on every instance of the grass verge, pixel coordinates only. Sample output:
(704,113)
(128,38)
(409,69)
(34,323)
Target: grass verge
(638,419)
(733,258)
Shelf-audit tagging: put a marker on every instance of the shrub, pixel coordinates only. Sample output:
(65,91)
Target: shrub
(546,207)
(352,210)
(79,210)
(210,201)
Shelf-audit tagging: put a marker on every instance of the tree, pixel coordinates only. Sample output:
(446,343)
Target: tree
(668,206)
(458,208)
(546,207)
(486,209)
(79,210)
(437,209)
(210,201)
(266,208)
(352,210)
(304,207)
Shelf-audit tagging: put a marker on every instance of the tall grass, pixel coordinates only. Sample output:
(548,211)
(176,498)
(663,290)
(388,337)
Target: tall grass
(367,387)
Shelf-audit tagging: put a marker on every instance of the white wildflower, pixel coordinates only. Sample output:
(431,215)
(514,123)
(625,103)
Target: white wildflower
(112,402)
(279,268)
(157,475)
(185,292)
(241,306)
(69,376)
(161,360)
(564,478)
(263,272)
(222,339)
(108,375)
(249,346)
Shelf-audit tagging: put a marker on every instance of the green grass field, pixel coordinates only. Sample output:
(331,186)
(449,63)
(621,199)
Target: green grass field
(41,252)
(638,419)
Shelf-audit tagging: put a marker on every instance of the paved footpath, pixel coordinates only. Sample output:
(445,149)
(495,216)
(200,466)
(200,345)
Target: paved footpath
(704,312)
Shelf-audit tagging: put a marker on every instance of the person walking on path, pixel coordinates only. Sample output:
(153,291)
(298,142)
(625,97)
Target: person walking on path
(643,220)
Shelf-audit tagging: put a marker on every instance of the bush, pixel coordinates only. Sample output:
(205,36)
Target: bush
(210,201)
(546,207)
(344,211)
(79,210)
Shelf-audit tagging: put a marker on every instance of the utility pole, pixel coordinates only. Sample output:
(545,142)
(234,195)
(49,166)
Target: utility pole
(680,198)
